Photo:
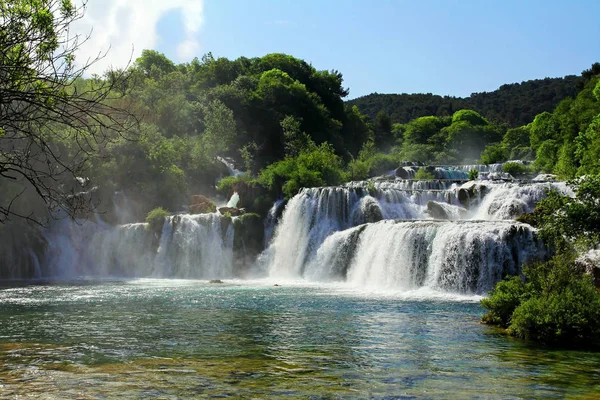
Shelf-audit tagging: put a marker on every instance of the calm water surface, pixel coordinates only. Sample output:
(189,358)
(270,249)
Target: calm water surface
(191,339)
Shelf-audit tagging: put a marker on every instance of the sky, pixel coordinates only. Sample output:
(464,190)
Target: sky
(446,47)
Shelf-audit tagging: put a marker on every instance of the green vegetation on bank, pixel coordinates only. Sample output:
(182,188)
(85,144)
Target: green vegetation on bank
(555,302)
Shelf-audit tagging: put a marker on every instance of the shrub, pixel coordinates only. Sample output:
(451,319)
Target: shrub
(371,188)
(156,219)
(225,185)
(318,167)
(493,153)
(473,174)
(570,315)
(503,300)
(423,174)
(556,304)
(514,168)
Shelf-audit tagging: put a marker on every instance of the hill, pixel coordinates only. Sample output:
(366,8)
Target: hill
(516,104)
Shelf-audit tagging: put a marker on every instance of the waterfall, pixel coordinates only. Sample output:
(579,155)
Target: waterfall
(464,257)
(234,200)
(190,246)
(389,234)
(230,167)
(400,234)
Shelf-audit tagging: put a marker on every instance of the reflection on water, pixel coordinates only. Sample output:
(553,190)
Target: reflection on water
(168,339)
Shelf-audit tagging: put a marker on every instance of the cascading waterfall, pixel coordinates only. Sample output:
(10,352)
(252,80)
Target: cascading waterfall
(337,233)
(443,234)
(190,246)
(465,257)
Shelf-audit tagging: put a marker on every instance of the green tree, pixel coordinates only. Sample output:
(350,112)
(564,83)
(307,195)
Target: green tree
(220,129)
(383,130)
(470,116)
(296,141)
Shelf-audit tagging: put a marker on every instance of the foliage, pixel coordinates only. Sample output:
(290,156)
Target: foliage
(515,168)
(423,174)
(226,185)
(504,299)
(493,153)
(317,167)
(473,174)
(565,221)
(569,315)
(371,163)
(556,303)
(371,188)
(517,103)
(156,219)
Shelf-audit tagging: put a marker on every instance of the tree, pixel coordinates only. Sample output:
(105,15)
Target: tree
(220,129)
(51,122)
(383,130)
(295,140)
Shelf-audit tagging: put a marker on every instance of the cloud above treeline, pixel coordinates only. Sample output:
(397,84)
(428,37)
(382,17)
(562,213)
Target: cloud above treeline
(125,27)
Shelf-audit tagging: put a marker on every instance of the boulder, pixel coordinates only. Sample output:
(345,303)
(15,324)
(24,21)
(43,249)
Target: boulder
(590,264)
(403,172)
(199,199)
(471,191)
(203,208)
(233,211)
(545,177)
(436,211)
(215,281)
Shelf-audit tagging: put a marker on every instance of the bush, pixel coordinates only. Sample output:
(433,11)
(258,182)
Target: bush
(493,153)
(318,167)
(503,300)
(556,304)
(422,174)
(515,168)
(569,316)
(156,219)
(225,185)
(473,174)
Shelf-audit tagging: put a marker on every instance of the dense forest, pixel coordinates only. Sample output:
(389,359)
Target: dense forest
(515,104)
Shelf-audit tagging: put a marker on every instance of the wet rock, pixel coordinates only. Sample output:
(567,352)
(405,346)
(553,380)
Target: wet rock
(436,211)
(546,178)
(215,281)
(203,208)
(401,172)
(370,210)
(471,191)
(233,211)
(405,172)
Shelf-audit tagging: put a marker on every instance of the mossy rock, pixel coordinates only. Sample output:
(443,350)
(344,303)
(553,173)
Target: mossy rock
(203,208)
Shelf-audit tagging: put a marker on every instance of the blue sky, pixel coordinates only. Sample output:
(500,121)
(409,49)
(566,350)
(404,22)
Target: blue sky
(429,46)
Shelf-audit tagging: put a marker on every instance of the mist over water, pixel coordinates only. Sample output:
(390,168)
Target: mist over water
(442,235)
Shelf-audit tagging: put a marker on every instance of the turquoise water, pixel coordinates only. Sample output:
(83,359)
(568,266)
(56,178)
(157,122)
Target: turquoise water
(186,339)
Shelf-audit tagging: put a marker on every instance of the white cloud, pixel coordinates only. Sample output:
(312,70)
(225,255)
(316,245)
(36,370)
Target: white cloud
(125,27)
